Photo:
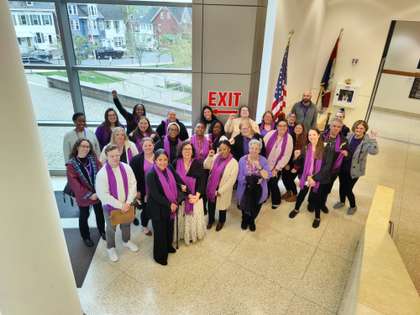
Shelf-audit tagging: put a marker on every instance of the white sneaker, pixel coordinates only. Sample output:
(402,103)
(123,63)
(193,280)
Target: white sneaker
(131,246)
(112,254)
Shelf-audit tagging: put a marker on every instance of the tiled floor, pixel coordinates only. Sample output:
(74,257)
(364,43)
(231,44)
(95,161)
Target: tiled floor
(285,267)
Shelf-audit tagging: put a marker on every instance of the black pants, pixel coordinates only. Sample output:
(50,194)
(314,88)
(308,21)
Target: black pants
(163,234)
(84,216)
(346,188)
(315,199)
(144,216)
(288,179)
(274,189)
(250,219)
(327,188)
(212,212)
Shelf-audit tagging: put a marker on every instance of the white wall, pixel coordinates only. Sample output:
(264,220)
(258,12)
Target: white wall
(403,55)
(366,24)
(306,18)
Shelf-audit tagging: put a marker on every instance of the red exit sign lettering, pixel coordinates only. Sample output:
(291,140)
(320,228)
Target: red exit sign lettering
(224,98)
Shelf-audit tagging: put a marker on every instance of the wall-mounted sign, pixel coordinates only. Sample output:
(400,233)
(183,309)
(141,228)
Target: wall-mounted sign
(226,102)
(345,95)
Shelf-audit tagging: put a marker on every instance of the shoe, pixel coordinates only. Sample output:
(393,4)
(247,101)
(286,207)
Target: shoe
(131,246)
(274,207)
(148,233)
(325,209)
(244,225)
(338,205)
(136,221)
(219,226)
(112,254)
(171,250)
(286,195)
(310,208)
(351,210)
(209,225)
(293,213)
(103,236)
(252,227)
(163,263)
(316,223)
(291,198)
(88,242)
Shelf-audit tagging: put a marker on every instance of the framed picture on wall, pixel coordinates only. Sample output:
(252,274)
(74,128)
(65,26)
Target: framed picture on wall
(345,95)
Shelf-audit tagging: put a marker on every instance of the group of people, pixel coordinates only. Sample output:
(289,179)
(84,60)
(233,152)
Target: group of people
(176,180)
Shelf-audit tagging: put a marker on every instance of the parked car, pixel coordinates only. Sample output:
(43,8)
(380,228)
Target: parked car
(106,53)
(34,60)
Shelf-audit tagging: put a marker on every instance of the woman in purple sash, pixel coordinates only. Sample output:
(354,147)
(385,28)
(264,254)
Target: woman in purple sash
(200,142)
(216,131)
(278,149)
(116,188)
(316,172)
(240,144)
(171,142)
(223,173)
(142,164)
(267,123)
(104,130)
(127,148)
(252,188)
(192,226)
(133,118)
(162,203)
(81,175)
(143,130)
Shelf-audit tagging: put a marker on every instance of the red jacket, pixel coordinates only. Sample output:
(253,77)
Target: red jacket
(81,189)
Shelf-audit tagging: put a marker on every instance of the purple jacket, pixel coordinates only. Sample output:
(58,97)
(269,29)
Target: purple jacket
(103,133)
(242,181)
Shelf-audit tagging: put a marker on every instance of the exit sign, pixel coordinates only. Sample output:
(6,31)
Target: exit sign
(227,102)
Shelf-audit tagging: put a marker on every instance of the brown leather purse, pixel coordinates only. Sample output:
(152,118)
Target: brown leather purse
(119,217)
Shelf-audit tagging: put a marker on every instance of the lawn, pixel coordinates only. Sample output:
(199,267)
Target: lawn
(86,76)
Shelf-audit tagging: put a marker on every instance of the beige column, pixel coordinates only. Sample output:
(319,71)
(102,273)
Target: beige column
(35,271)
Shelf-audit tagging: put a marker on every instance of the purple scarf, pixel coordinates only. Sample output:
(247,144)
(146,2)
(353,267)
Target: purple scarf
(189,181)
(147,167)
(165,125)
(112,183)
(168,184)
(215,176)
(340,157)
(272,141)
(309,169)
(264,131)
(201,147)
(167,145)
(129,155)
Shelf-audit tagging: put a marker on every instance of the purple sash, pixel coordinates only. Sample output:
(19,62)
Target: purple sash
(167,145)
(201,147)
(112,183)
(215,176)
(312,166)
(264,131)
(129,155)
(147,167)
(189,181)
(168,184)
(272,141)
(340,157)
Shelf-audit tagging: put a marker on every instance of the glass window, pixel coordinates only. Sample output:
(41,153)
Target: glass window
(40,44)
(158,91)
(52,145)
(50,96)
(146,44)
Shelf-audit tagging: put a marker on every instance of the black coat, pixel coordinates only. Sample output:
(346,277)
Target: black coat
(183,133)
(137,164)
(324,174)
(158,206)
(199,173)
(238,146)
(173,147)
(129,117)
(329,148)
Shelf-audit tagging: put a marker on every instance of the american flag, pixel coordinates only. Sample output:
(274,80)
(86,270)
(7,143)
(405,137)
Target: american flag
(280,94)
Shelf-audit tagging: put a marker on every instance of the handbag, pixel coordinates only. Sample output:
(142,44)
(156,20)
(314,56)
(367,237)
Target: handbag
(118,217)
(67,191)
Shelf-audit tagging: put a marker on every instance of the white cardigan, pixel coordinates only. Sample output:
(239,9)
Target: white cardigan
(230,174)
(127,144)
(102,187)
(232,126)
